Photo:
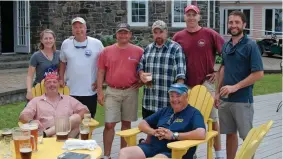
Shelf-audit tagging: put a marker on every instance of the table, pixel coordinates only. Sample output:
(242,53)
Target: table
(51,149)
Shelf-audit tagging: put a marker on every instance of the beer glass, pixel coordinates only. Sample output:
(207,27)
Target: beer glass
(87,118)
(33,127)
(7,132)
(84,132)
(25,150)
(21,136)
(149,80)
(62,127)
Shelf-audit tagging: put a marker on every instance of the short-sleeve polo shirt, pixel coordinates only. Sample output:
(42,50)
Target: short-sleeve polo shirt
(239,62)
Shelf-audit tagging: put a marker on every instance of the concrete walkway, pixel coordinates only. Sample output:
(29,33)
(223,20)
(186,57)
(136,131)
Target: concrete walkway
(15,79)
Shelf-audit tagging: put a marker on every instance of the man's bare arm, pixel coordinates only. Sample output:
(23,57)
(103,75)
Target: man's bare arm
(197,134)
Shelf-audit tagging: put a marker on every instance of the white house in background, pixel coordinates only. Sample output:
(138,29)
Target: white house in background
(263,17)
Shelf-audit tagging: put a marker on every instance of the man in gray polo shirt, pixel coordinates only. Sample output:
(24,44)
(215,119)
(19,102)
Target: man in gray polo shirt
(241,68)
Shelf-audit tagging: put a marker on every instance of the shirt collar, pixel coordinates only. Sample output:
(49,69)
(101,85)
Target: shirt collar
(43,97)
(241,41)
(166,44)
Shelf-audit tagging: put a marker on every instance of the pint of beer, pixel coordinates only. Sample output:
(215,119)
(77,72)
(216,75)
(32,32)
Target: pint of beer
(25,150)
(20,137)
(84,132)
(7,132)
(33,127)
(62,127)
(149,81)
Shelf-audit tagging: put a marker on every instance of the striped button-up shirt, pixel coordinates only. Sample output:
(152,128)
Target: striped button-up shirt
(167,64)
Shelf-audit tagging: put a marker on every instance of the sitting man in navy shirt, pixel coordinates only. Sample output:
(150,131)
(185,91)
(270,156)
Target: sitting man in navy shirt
(178,122)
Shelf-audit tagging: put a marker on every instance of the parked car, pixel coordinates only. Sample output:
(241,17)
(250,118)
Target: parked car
(270,46)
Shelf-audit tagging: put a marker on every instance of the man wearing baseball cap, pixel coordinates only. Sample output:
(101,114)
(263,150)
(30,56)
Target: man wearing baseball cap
(164,61)
(177,122)
(118,64)
(81,53)
(200,46)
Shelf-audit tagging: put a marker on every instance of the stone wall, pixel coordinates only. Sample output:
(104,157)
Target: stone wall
(101,17)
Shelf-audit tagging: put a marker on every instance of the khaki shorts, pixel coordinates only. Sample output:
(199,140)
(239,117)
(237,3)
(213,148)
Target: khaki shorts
(121,105)
(235,117)
(211,89)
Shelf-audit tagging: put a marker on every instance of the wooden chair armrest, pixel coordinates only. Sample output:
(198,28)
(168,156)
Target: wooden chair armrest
(129,135)
(129,132)
(186,144)
(209,124)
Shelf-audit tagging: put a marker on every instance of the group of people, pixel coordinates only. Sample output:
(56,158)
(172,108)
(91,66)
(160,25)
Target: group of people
(174,66)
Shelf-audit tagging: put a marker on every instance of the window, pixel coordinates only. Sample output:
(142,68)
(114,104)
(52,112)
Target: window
(178,7)
(273,21)
(225,14)
(138,13)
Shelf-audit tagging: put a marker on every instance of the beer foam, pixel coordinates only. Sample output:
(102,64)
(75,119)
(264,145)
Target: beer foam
(84,132)
(21,137)
(7,133)
(62,133)
(25,150)
(29,126)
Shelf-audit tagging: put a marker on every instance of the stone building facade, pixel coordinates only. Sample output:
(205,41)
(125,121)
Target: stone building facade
(103,16)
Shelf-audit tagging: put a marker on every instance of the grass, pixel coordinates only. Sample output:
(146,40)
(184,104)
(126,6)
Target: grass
(271,83)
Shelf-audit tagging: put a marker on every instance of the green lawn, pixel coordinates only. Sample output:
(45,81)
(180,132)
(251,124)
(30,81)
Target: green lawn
(271,83)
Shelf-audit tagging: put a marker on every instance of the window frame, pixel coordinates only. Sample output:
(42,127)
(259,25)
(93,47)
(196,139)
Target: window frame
(129,14)
(273,18)
(222,9)
(177,24)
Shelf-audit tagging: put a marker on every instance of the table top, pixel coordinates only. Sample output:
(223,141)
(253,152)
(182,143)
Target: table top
(51,149)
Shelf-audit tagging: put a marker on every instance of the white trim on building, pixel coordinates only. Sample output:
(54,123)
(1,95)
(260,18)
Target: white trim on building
(130,16)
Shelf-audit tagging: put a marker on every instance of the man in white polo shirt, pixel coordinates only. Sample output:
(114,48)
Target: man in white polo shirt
(78,58)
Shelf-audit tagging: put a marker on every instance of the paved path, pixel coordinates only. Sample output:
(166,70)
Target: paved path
(15,79)
(265,110)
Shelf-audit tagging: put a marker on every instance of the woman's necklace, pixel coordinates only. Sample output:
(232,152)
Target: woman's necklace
(50,57)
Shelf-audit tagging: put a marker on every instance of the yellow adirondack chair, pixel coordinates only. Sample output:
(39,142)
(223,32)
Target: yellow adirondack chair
(39,89)
(252,141)
(200,98)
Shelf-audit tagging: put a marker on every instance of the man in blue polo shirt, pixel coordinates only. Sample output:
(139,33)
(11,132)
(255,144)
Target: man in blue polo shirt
(241,68)
(178,122)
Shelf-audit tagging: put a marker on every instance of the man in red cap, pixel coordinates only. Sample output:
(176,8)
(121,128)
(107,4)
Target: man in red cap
(44,109)
(200,46)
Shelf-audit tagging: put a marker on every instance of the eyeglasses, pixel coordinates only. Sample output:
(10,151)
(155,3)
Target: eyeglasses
(80,47)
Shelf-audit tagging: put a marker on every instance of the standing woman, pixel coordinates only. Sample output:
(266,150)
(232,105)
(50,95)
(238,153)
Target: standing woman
(46,59)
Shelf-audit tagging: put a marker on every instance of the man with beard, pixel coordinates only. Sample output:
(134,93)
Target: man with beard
(118,64)
(164,61)
(200,46)
(241,68)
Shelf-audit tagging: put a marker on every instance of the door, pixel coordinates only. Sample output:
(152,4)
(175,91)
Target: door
(21,27)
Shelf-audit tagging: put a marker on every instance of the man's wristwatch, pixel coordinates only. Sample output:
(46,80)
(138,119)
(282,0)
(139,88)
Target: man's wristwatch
(175,135)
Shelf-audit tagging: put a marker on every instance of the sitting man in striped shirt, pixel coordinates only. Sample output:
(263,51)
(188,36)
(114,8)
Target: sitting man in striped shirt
(44,109)
(164,62)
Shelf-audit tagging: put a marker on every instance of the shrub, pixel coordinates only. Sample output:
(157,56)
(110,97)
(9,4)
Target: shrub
(218,59)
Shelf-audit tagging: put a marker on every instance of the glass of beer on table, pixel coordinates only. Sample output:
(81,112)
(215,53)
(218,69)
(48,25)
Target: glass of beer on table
(20,137)
(33,127)
(25,150)
(84,131)
(62,127)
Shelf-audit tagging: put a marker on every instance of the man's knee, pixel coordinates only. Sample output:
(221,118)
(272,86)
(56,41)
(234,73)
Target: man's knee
(160,156)
(232,136)
(109,126)
(75,120)
(126,124)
